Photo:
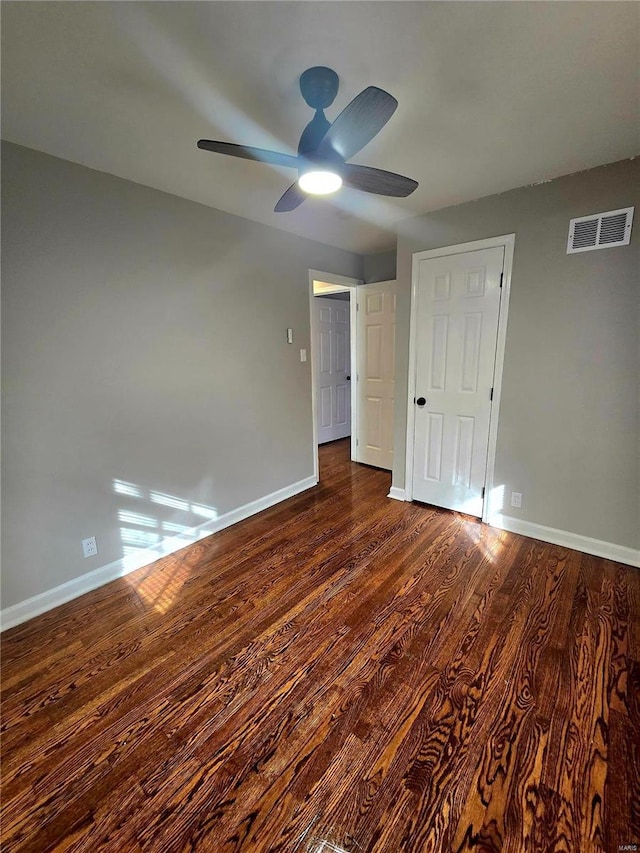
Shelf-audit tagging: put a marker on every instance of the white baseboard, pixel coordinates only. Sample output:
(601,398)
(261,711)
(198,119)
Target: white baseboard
(24,610)
(608,550)
(396,493)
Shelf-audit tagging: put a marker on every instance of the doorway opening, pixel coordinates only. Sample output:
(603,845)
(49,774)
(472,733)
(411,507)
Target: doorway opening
(332,305)
(353,365)
(331,342)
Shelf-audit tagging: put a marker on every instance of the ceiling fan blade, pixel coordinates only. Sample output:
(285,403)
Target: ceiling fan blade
(261,155)
(358,123)
(371,180)
(290,199)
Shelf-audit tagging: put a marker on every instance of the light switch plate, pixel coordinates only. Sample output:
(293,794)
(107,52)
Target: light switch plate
(303,355)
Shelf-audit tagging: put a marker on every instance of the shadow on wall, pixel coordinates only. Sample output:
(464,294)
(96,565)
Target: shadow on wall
(146,537)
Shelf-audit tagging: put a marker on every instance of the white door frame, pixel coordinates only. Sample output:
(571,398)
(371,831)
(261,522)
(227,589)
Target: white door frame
(508,242)
(351,283)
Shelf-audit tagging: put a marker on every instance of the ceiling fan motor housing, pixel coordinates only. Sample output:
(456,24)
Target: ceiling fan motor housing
(319,86)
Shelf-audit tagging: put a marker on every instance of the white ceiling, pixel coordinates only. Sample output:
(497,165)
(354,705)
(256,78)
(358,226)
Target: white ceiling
(492,96)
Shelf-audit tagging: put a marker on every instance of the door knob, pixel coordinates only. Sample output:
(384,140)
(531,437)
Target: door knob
(421,402)
(348,379)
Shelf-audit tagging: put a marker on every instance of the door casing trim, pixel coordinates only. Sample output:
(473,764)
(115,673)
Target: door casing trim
(507,241)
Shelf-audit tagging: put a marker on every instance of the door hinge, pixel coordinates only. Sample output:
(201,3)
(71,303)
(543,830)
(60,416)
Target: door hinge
(483,493)
(501,277)
(491,394)
(357,442)
(358,306)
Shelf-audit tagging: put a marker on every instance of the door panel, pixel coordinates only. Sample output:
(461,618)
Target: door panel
(373,435)
(331,326)
(343,354)
(325,347)
(324,409)
(433,456)
(376,372)
(342,399)
(457,308)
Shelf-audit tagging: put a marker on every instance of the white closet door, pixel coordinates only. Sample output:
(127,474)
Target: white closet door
(457,304)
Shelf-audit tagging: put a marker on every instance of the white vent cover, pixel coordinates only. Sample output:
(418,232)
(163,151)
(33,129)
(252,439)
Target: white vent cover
(600,230)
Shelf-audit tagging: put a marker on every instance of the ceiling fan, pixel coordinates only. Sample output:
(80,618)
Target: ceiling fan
(324,147)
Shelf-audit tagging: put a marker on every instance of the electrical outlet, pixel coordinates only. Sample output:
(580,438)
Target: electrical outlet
(303,355)
(89,547)
(516,499)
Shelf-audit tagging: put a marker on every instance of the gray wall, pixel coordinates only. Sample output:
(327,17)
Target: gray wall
(144,340)
(379,267)
(568,435)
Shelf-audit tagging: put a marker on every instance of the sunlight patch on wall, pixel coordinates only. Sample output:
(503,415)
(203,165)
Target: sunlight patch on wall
(172,527)
(127,517)
(496,500)
(204,511)
(169,500)
(145,538)
(120,487)
(138,538)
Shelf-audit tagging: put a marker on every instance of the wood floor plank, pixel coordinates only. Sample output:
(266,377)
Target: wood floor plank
(338,673)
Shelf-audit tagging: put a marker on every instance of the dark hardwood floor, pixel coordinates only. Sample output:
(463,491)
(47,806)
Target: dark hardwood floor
(342,672)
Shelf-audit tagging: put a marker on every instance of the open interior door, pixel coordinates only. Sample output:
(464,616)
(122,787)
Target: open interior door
(376,373)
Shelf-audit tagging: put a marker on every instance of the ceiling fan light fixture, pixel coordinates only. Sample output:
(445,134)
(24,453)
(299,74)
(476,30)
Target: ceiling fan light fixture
(320,182)
(326,147)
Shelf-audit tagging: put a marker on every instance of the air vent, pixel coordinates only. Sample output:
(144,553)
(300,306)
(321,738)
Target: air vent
(600,231)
